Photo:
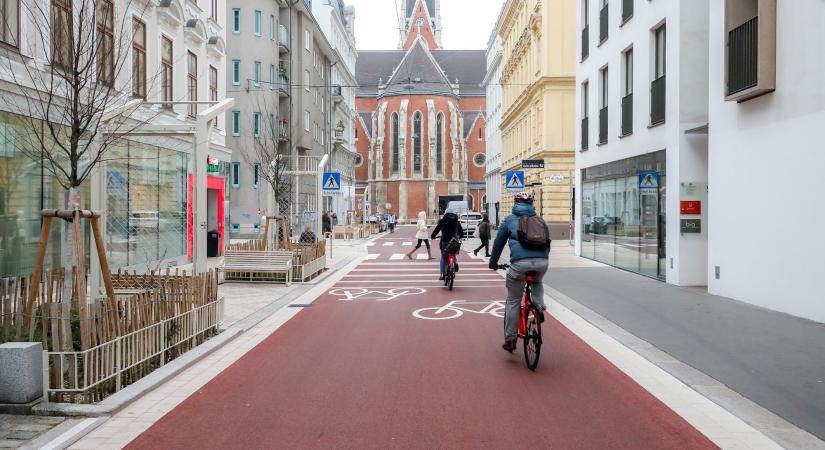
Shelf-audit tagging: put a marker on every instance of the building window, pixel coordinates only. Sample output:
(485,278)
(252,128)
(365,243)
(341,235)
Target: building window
(479,159)
(439,143)
(105,51)
(307,40)
(257,73)
(480,133)
(417,140)
(306,121)
(257,23)
(61,33)
(138,58)
(627,94)
(750,49)
(214,12)
(585,107)
(10,22)
(236,20)
(658,86)
(236,174)
(192,82)
(166,70)
(306,80)
(585,29)
(236,123)
(604,22)
(272,76)
(213,84)
(256,124)
(394,143)
(257,174)
(271,27)
(236,72)
(236,228)
(603,106)
(627,10)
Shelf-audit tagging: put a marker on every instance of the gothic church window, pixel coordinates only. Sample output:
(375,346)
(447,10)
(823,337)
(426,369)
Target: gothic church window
(417,141)
(394,143)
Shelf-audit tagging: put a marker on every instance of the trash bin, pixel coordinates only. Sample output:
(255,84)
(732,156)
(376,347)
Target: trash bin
(213,244)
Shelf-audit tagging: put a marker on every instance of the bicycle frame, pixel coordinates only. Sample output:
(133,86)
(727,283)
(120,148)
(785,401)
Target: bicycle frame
(526,301)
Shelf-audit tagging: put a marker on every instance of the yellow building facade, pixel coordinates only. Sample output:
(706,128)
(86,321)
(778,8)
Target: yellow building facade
(539,103)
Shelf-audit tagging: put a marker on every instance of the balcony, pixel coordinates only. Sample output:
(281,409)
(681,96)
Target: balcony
(603,126)
(627,115)
(283,39)
(585,133)
(585,42)
(283,130)
(283,86)
(657,100)
(603,24)
(743,56)
(627,10)
(337,96)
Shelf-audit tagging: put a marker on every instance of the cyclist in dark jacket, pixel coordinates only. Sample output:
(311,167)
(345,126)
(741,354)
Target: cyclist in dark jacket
(450,228)
(522,260)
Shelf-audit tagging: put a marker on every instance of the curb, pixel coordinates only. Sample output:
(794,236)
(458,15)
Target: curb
(129,394)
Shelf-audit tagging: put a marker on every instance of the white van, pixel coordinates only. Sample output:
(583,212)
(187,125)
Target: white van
(459,207)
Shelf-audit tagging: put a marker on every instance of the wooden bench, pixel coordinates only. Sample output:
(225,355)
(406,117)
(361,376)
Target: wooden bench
(257,266)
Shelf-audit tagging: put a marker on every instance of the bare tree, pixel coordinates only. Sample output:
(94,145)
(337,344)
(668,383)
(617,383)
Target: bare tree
(75,75)
(263,150)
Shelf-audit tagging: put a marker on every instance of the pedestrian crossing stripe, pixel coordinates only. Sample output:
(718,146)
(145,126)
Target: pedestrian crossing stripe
(332,181)
(397,256)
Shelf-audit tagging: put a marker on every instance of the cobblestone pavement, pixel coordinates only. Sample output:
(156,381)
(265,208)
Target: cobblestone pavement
(16,431)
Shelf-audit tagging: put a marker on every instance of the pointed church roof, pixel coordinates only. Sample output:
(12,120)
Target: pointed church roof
(418,73)
(470,119)
(411,7)
(468,66)
(366,122)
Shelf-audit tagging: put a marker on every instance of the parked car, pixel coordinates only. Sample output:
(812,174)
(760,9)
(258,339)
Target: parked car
(469,221)
(605,224)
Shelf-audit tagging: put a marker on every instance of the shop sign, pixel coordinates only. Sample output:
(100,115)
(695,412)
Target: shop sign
(213,164)
(532,164)
(691,207)
(691,226)
(557,178)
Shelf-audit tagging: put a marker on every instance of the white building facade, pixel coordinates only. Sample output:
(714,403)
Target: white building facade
(336,21)
(764,246)
(641,141)
(492,176)
(169,55)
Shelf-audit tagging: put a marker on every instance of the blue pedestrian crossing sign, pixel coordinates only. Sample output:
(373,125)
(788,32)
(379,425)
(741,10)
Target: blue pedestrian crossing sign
(514,180)
(648,182)
(332,181)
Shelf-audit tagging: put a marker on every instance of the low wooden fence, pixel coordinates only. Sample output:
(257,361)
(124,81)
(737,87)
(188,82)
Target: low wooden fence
(78,339)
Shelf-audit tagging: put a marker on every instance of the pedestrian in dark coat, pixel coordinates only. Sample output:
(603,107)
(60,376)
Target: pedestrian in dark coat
(484,233)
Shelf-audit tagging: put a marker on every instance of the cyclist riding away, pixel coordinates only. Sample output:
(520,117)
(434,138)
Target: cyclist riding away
(529,241)
(450,228)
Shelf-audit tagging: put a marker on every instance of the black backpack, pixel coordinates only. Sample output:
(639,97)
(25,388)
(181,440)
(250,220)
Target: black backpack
(533,233)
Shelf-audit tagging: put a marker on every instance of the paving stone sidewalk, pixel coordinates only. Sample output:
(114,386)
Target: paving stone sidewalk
(16,431)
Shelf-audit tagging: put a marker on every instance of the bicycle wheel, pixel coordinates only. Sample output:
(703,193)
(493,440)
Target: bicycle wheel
(452,278)
(532,338)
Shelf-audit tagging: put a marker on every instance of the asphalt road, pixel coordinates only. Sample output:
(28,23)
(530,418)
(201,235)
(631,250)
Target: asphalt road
(360,369)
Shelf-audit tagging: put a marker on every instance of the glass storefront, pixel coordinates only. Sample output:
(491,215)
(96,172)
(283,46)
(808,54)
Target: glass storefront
(623,224)
(146,188)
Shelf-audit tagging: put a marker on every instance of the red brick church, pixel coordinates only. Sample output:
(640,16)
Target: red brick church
(420,126)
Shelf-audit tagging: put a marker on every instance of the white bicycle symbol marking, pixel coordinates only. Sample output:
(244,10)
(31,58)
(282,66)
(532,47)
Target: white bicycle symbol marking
(457,308)
(350,294)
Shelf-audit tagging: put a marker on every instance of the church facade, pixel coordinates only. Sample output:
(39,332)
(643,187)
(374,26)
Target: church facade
(420,127)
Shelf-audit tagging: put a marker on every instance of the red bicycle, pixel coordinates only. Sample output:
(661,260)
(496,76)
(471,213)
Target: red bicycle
(529,324)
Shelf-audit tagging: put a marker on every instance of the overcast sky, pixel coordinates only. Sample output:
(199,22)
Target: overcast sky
(466,24)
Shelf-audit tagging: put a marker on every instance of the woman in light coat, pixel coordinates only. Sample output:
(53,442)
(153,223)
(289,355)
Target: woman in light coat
(422,235)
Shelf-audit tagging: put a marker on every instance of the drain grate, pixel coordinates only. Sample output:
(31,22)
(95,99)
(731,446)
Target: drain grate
(300,305)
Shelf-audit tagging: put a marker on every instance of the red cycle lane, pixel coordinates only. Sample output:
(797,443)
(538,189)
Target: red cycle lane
(374,363)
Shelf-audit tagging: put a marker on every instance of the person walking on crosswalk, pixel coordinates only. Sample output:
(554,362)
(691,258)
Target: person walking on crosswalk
(421,233)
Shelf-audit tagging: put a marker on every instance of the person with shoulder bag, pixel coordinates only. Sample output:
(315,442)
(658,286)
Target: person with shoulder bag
(422,235)
(529,240)
(483,231)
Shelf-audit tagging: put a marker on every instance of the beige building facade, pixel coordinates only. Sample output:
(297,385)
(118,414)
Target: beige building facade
(539,103)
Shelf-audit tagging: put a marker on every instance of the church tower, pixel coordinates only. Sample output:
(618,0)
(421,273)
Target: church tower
(420,18)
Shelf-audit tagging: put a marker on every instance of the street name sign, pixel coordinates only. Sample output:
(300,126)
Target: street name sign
(532,164)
